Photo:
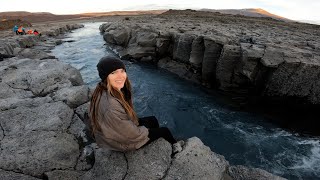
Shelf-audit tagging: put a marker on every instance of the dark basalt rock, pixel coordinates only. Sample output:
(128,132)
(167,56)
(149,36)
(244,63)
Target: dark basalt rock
(260,60)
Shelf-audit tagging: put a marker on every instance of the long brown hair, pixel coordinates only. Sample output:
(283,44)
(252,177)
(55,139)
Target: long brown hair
(124,96)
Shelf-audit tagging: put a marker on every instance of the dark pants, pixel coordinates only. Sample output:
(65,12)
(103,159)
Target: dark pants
(21,33)
(156,132)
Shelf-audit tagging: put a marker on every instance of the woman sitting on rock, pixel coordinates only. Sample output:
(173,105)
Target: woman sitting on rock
(114,122)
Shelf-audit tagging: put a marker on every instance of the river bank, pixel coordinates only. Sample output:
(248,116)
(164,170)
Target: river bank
(263,64)
(43,110)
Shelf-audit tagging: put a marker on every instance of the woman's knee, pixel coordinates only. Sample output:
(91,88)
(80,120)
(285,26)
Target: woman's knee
(153,121)
(165,130)
(153,118)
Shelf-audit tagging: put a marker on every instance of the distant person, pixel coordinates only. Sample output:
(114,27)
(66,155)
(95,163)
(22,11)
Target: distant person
(29,31)
(15,29)
(36,33)
(21,30)
(114,122)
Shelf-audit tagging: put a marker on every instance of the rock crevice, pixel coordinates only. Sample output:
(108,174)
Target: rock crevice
(2,133)
(234,56)
(5,174)
(125,157)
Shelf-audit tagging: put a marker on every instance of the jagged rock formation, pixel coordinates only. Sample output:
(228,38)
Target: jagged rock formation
(274,61)
(43,117)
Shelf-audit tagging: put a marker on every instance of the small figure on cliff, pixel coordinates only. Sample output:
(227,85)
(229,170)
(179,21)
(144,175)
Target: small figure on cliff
(114,122)
(35,32)
(15,29)
(21,30)
(29,31)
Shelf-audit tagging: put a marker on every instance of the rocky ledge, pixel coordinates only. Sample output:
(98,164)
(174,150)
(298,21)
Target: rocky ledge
(255,60)
(43,112)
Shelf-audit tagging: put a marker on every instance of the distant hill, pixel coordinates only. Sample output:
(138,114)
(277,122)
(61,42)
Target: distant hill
(34,17)
(122,13)
(258,12)
(22,13)
(8,24)
(45,16)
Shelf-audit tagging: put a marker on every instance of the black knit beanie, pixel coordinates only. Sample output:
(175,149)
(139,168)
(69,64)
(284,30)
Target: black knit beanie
(107,65)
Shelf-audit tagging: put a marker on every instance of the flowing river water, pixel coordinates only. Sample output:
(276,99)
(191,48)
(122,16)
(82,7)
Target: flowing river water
(243,138)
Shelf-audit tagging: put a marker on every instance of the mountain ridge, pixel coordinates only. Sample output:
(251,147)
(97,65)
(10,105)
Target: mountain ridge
(251,12)
(35,17)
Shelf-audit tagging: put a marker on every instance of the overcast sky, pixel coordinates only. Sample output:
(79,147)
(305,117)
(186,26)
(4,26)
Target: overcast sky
(292,9)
